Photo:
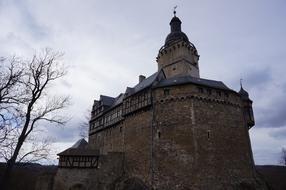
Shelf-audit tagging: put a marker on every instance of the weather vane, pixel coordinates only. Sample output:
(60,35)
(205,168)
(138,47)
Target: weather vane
(174,10)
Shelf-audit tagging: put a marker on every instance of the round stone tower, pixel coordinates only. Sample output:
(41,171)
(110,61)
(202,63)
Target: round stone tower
(178,56)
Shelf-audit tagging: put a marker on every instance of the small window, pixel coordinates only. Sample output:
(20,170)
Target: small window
(218,93)
(209,91)
(174,68)
(209,134)
(159,134)
(201,90)
(166,92)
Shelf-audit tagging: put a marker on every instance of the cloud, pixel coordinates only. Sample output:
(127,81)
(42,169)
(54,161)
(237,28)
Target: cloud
(69,132)
(273,117)
(107,44)
(257,78)
(279,133)
(266,145)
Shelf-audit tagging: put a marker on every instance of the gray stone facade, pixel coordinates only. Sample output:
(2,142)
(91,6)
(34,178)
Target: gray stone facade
(173,130)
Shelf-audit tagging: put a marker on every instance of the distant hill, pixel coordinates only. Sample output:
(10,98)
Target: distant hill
(24,176)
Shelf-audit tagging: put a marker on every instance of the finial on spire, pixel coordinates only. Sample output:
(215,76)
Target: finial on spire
(174,10)
(241,83)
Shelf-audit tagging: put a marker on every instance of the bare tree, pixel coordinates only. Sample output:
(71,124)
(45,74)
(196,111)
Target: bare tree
(35,149)
(84,125)
(33,106)
(10,97)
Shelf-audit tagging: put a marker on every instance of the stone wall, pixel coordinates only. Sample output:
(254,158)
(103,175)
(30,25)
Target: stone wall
(108,140)
(110,169)
(45,181)
(201,140)
(133,137)
(179,59)
(137,144)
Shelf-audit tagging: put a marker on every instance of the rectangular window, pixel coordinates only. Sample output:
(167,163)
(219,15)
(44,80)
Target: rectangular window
(166,92)
(148,95)
(201,90)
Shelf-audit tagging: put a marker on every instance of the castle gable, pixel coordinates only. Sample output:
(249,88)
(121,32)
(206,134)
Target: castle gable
(80,148)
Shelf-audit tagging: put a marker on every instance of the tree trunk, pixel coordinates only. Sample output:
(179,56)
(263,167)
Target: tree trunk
(10,164)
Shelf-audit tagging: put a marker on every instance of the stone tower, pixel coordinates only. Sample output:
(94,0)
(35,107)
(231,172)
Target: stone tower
(172,130)
(178,56)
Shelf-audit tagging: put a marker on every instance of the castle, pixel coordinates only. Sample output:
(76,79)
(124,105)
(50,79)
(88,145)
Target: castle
(173,130)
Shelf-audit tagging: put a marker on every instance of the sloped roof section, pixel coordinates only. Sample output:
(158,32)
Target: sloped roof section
(147,82)
(118,99)
(189,79)
(80,148)
(129,91)
(107,100)
(80,144)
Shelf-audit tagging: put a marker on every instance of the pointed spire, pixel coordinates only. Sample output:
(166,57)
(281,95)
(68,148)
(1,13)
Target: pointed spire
(176,32)
(175,22)
(243,93)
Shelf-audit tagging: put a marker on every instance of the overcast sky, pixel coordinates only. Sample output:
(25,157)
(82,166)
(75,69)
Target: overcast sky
(108,44)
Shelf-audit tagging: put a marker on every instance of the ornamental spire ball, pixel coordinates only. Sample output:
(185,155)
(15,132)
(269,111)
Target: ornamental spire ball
(174,11)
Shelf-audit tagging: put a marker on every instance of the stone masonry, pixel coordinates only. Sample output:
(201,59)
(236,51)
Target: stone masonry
(173,130)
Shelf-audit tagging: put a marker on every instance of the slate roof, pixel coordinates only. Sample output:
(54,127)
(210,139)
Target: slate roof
(142,85)
(106,100)
(118,99)
(148,82)
(158,80)
(145,83)
(188,79)
(80,148)
(244,94)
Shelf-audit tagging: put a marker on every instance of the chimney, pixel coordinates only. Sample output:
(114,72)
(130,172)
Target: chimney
(141,78)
